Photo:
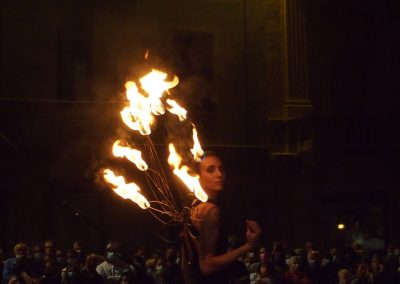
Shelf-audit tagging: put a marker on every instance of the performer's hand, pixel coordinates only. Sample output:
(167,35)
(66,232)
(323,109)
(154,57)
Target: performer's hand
(253,233)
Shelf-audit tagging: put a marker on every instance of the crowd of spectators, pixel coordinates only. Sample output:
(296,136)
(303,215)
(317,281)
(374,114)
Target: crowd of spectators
(49,264)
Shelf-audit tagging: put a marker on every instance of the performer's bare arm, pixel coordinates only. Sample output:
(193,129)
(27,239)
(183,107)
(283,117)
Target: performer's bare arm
(209,261)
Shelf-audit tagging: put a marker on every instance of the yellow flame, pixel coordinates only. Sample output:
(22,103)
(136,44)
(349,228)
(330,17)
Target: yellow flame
(133,155)
(127,191)
(173,159)
(155,85)
(197,151)
(177,109)
(192,182)
(138,115)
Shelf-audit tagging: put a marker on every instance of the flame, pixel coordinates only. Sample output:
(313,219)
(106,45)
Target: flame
(155,85)
(126,191)
(177,109)
(197,151)
(139,115)
(192,182)
(133,155)
(173,159)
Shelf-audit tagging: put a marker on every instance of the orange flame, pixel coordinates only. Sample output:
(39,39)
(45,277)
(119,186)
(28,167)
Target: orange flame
(127,191)
(177,109)
(139,115)
(197,151)
(192,182)
(133,155)
(155,85)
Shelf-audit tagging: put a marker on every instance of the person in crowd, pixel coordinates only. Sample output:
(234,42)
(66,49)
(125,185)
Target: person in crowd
(265,274)
(344,276)
(79,248)
(151,266)
(309,246)
(278,260)
(376,273)
(205,257)
(390,262)
(159,271)
(172,271)
(262,257)
(38,262)
(71,259)
(328,271)
(49,250)
(362,276)
(88,274)
(128,278)
(113,267)
(293,275)
(50,274)
(248,261)
(19,267)
(72,274)
(60,259)
(313,268)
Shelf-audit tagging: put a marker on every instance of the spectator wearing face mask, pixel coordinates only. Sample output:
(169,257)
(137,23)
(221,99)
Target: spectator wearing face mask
(71,259)
(113,267)
(72,275)
(18,267)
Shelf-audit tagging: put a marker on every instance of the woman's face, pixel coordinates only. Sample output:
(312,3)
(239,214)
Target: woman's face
(212,174)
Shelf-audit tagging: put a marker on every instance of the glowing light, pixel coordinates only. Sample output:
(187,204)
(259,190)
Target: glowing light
(341,226)
(177,109)
(127,191)
(197,151)
(133,155)
(191,182)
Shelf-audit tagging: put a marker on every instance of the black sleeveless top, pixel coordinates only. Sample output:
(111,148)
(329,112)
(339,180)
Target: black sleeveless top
(191,267)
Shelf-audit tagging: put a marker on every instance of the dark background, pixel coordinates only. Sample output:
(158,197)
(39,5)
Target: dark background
(64,65)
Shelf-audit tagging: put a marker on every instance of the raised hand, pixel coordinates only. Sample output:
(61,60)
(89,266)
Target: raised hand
(253,232)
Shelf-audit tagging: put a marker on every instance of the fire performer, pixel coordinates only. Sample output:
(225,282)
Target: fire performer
(205,258)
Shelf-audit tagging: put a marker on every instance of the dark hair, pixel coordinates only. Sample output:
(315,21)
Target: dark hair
(208,153)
